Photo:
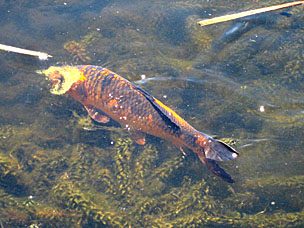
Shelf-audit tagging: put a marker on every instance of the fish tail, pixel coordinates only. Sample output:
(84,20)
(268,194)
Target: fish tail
(216,169)
(210,150)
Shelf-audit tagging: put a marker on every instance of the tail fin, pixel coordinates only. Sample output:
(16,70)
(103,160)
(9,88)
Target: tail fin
(212,150)
(217,170)
(219,151)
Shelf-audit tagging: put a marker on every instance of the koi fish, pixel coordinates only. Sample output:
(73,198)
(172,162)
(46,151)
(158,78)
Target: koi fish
(106,95)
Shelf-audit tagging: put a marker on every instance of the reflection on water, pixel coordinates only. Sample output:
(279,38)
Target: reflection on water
(242,81)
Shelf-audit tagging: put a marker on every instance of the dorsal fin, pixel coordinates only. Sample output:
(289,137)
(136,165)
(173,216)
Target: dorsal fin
(167,114)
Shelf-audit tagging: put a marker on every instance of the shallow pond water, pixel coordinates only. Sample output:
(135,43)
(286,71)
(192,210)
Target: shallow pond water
(241,81)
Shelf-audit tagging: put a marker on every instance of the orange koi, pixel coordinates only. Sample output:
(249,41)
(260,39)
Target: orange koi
(106,95)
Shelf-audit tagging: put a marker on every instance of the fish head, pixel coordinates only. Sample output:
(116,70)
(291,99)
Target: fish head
(62,78)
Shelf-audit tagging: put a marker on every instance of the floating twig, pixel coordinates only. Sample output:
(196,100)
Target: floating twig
(40,55)
(247,13)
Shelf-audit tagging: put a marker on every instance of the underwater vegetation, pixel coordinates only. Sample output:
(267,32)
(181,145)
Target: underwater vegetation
(77,50)
(137,188)
(241,80)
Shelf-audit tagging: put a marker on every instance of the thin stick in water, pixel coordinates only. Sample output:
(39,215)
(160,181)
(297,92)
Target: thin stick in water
(247,13)
(40,55)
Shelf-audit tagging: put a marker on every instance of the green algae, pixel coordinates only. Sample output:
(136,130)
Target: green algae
(130,192)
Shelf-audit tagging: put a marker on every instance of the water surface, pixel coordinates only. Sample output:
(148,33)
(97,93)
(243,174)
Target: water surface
(240,81)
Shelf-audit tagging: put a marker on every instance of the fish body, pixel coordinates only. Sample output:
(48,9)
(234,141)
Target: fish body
(107,95)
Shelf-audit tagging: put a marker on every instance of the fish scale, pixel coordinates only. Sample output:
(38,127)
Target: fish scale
(106,95)
(112,89)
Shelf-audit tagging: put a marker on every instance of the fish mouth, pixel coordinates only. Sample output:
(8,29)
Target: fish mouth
(55,83)
(61,78)
(57,79)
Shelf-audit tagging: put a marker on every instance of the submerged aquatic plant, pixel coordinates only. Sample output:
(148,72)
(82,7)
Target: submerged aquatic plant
(59,169)
(140,188)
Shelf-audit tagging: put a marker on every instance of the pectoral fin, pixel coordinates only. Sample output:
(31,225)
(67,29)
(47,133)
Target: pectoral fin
(96,114)
(138,136)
